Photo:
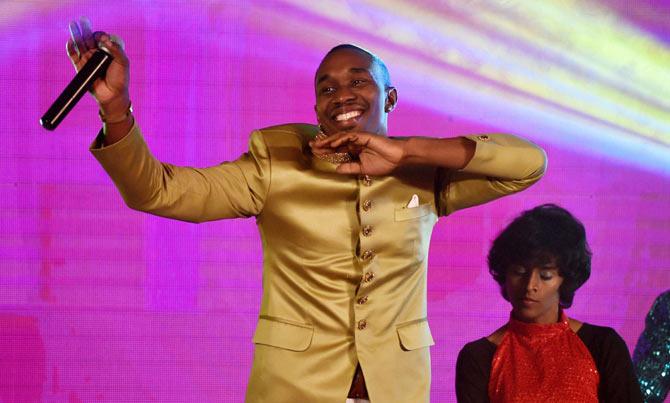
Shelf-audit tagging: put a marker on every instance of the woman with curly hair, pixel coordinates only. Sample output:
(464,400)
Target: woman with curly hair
(541,355)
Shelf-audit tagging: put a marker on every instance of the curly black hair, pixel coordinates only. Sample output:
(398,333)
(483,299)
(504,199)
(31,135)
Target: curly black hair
(542,235)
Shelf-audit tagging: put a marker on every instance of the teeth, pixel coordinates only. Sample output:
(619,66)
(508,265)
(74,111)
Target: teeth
(347,116)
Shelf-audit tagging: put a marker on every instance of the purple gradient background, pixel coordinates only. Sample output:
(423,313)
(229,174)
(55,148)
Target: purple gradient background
(100,303)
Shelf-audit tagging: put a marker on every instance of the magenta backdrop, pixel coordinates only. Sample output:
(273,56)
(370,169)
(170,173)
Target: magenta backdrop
(100,303)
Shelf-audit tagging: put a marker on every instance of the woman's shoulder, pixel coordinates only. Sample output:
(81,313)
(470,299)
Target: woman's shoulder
(591,331)
(603,342)
(496,337)
(474,361)
(478,347)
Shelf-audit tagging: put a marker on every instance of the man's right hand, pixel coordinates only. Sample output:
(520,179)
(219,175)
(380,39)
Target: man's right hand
(111,92)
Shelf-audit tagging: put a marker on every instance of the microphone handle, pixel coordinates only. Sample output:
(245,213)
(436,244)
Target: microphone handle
(94,68)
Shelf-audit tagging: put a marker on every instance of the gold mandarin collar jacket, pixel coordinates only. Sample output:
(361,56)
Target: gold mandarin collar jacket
(344,257)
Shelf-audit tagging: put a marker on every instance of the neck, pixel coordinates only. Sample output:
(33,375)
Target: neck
(547,318)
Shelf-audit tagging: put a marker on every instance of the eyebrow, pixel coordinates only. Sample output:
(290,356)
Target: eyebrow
(351,70)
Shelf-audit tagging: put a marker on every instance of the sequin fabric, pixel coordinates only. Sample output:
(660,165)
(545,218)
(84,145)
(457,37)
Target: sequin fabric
(542,363)
(652,352)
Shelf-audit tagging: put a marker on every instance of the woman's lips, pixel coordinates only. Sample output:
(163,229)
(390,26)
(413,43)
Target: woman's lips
(527,301)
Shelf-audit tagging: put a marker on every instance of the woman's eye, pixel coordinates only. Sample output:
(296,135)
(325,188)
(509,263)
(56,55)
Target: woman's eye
(546,275)
(519,270)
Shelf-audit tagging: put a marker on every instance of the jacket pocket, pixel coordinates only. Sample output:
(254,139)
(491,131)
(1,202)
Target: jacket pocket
(415,334)
(409,213)
(283,334)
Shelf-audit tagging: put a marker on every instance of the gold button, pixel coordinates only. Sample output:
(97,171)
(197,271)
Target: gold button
(367,205)
(367,230)
(362,300)
(369,276)
(367,180)
(368,254)
(362,324)
(483,137)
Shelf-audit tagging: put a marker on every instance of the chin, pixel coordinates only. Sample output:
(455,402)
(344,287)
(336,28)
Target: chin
(525,316)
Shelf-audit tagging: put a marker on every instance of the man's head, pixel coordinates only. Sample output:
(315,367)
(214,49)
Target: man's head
(353,91)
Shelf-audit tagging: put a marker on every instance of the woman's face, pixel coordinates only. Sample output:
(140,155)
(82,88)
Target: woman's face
(533,292)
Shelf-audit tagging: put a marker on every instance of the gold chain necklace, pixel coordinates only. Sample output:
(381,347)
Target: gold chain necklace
(333,158)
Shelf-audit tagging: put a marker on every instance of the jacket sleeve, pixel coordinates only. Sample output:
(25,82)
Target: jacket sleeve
(228,190)
(502,164)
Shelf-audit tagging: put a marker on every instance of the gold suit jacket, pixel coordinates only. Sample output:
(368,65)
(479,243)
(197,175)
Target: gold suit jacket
(344,257)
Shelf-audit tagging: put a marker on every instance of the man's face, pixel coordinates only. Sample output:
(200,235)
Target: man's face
(350,94)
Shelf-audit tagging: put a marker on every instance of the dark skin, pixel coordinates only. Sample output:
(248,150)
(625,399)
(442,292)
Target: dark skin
(346,82)
(352,106)
(534,295)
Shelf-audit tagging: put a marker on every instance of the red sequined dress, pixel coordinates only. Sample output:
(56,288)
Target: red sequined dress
(542,363)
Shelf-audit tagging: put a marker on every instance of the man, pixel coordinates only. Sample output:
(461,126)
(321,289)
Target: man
(345,215)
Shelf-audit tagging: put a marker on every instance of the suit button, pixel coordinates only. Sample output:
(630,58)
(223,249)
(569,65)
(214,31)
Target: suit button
(362,300)
(369,276)
(367,205)
(368,254)
(362,324)
(367,230)
(367,180)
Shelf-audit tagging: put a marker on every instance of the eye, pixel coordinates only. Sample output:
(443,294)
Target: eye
(326,90)
(546,274)
(358,82)
(518,270)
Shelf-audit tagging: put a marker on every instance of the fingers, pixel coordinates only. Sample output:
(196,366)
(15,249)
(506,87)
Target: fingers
(320,149)
(354,168)
(343,138)
(75,35)
(72,51)
(113,45)
(83,41)
(87,35)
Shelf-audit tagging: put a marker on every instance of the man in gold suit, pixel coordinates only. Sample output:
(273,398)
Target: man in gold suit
(345,215)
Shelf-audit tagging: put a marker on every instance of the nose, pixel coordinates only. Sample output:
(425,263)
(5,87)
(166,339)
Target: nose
(344,95)
(533,281)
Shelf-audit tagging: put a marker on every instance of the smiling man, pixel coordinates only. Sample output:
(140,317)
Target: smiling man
(345,214)
(353,91)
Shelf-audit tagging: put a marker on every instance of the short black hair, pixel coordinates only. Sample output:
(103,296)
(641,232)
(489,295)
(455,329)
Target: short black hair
(544,234)
(376,60)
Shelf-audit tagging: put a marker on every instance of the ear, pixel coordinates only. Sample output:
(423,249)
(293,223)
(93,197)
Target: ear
(391,99)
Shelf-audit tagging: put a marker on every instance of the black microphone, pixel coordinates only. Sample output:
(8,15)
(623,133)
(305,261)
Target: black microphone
(94,68)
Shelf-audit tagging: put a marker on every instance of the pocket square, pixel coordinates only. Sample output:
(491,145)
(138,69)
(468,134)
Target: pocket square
(413,202)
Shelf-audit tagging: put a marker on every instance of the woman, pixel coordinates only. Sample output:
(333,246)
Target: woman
(541,355)
(651,357)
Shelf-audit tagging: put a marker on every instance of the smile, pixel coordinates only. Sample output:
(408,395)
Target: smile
(349,115)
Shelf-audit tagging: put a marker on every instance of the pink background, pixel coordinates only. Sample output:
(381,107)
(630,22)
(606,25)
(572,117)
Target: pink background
(100,303)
